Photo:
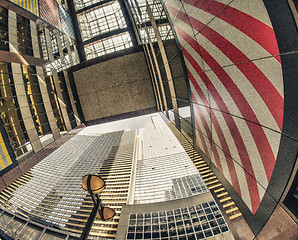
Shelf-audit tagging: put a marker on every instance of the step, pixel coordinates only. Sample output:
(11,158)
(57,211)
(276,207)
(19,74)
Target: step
(207,175)
(231,210)
(207,179)
(225,199)
(228,204)
(212,182)
(222,194)
(215,186)
(219,190)
(207,171)
(235,216)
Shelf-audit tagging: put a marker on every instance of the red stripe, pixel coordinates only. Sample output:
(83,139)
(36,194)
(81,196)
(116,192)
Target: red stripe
(50,13)
(246,163)
(233,174)
(207,128)
(256,130)
(205,124)
(252,27)
(263,86)
(202,137)
(217,160)
(218,129)
(202,140)
(204,100)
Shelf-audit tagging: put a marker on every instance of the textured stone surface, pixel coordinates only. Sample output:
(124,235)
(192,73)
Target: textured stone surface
(279,226)
(116,86)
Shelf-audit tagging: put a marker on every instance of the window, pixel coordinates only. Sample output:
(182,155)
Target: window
(138,8)
(4,29)
(10,112)
(202,220)
(24,36)
(43,43)
(35,100)
(79,4)
(165,32)
(101,20)
(66,99)
(54,44)
(108,45)
(55,103)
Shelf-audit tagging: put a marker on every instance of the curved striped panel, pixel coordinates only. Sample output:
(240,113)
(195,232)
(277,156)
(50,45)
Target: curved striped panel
(49,12)
(29,5)
(66,22)
(235,75)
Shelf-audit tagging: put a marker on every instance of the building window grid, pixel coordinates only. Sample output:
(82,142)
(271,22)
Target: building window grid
(63,42)
(108,45)
(195,222)
(54,103)
(54,43)
(57,64)
(79,4)
(24,36)
(35,100)
(43,43)
(67,62)
(74,57)
(140,13)
(4,44)
(10,112)
(165,32)
(101,20)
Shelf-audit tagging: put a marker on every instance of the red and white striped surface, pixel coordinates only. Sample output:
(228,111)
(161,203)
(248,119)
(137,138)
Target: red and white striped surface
(235,75)
(49,12)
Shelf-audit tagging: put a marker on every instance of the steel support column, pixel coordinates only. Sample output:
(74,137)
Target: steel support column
(158,72)
(80,46)
(166,66)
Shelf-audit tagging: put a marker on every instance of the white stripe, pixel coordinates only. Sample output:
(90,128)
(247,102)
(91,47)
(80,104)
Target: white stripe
(250,144)
(173,3)
(273,141)
(260,109)
(221,156)
(205,113)
(200,143)
(243,186)
(250,94)
(234,153)
(199,81)
(254,8)
(232,147)
(239,170)
(225,93)
(200,122)
(253,154)
(245,44)
(202,85)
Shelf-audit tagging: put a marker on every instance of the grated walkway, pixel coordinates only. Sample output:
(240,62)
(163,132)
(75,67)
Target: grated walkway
(208,176)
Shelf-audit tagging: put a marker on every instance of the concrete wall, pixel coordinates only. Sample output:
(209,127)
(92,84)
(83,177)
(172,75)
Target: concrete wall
(241,92)
(116,86)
